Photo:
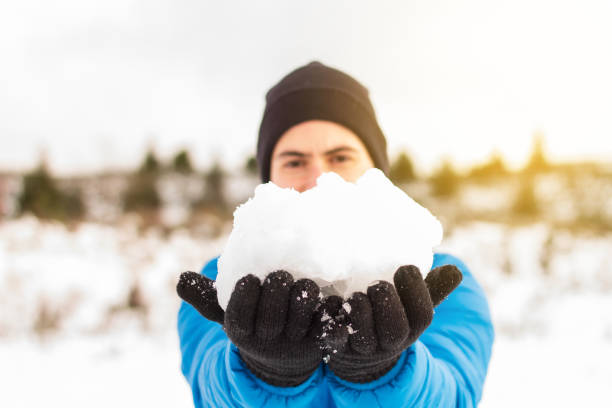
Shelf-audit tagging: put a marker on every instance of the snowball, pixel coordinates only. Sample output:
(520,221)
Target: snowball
(342,235)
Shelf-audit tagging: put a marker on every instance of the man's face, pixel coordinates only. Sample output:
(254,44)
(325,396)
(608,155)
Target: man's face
(310,148)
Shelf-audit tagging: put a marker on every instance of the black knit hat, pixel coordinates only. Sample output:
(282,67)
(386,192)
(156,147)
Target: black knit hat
(316,91)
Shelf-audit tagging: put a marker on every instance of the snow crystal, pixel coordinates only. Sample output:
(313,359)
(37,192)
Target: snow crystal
(342,235)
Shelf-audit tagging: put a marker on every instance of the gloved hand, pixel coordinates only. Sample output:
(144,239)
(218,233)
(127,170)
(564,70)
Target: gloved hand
(277,326)
(386,321)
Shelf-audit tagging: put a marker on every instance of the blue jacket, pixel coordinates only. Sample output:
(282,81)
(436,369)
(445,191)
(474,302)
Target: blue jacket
(446,367)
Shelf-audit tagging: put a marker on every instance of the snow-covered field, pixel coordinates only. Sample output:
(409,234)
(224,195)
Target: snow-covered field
(87,317)
(550,295)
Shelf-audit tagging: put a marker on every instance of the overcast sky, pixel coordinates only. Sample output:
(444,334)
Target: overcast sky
(94,82)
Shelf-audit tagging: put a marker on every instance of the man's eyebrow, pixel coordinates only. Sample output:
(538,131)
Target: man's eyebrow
(292,153)
(338,150)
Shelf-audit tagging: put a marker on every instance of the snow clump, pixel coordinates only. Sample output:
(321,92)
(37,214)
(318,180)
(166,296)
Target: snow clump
(342,235)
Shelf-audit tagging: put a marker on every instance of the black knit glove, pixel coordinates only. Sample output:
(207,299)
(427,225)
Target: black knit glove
(277,326)
(386,321)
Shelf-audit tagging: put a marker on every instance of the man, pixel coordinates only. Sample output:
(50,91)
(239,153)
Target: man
(273,347)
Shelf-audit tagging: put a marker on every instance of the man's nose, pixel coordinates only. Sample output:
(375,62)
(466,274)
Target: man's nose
(317,168)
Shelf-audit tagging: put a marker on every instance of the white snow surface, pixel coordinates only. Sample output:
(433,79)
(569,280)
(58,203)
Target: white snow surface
(340,234)
(549,291)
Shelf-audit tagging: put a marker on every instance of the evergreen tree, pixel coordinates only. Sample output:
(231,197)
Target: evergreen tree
(150,163)
(214,191)
(445,180)
(537,160)
(494,167)
(182,162)
(525,202)
(402,169)
(42,197)
(142,194)
(215,185)
(250,166)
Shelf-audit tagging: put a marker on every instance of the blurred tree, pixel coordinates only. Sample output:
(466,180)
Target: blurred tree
(150,163)
(445,181)
(136,299)
(525,201)
(402,169)
(73,205)
(141,194)
(48,318)
(41,196)
(182,162)
(537,160)
(250,166)
(214,190)
(494,167)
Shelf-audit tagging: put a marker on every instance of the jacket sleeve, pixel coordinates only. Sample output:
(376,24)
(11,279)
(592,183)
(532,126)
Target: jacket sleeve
(446,367)
(214,370)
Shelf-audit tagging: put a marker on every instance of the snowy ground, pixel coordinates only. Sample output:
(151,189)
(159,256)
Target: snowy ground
(111,370)
(69,338)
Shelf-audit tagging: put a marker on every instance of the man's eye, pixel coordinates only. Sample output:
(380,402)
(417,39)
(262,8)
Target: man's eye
(340,159)
(294,163)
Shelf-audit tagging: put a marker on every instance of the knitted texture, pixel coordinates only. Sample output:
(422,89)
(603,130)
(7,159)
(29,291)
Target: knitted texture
(388,319)
(275,325)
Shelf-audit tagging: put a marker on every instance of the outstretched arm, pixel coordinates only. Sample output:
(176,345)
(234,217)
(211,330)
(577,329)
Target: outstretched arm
(446,367)
(216,372)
